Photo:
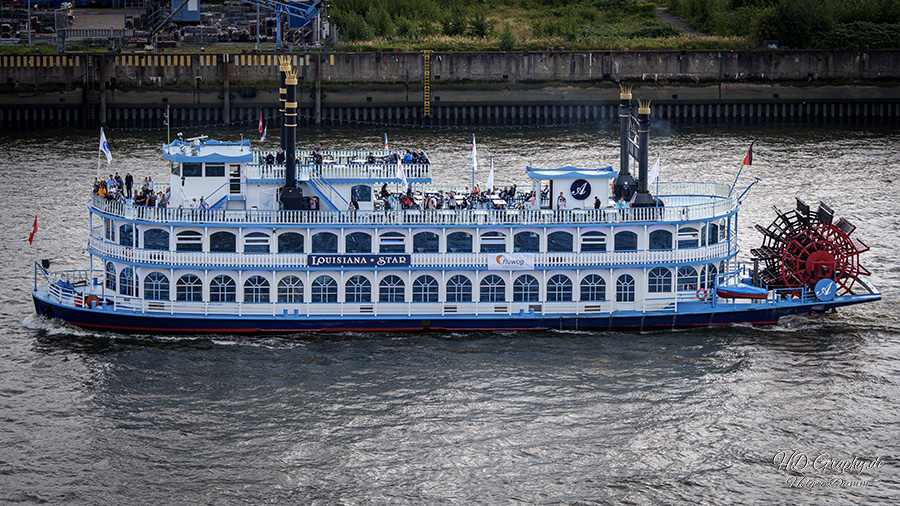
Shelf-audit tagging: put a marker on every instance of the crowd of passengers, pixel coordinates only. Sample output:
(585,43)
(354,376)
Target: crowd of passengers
(115,188)
(412,156)
(505,198)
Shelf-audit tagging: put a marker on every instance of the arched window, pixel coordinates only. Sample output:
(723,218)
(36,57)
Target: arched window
(290,290)
(189,288)
(560,242)
(626,241)
(391,289)
(126,235)
(111,276)
(713,233)
(493,289)
(358,289)
(660,239)
(391,242)
(526,289)
(324,290)
(156,286)
(687,278)
(459,289)
(593,241)
(256,242)
(126,282)
(493,242)
(593,288)
(222,289)
(688,237)
(222,242)
(425,289)
(559,288)
(358,242)
(156,239)
(459,242)
(256,289)
(708,278)
(425,242)
(189,240)
(625,288)
(324,242)
(290,242)
(659,280)
(526,242)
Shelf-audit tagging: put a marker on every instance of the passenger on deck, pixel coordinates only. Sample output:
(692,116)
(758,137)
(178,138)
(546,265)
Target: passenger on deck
(370,158)
(422,157)
(129,182)
(560,201)
(596,202)
(384,191)
(408,157)
(512,192)
(279,158)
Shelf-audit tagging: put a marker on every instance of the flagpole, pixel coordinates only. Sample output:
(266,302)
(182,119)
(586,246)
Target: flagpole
(98,155)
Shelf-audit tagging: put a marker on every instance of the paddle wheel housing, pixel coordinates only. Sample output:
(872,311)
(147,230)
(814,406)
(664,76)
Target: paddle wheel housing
(800,248)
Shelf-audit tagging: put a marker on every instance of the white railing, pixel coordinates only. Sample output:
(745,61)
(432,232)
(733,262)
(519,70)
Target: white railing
(375,172)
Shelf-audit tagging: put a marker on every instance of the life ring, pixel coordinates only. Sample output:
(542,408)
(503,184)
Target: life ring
(703,294)
(129,253)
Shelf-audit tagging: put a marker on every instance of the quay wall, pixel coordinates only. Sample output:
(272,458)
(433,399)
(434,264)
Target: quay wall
(493,88)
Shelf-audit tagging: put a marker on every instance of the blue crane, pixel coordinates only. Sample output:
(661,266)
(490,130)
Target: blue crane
(303,11)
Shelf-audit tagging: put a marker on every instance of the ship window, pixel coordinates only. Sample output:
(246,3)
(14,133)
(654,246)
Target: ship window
(713,233)
(559,288)
(215,170)
(222,289)
(660,239)
(256,289)
(358,242)
(324,290)
(391,289)
(189,240)
(459,242)
(290,242)
(256,242)
(222,242)
(626,241)
(493,242)
(659,280)
(110,226)
(708,278)
(593,288)
(425,242)
(290,290)
(157,239)
(703,236)
(526,242)
(459,289)
(110,276)
(687,278)
(625,288)
(358,289)
(361,192)
(156,286)
(126,282)
(425,289)
(688,237)
(324,242)
(191,169)
(526,289)
(593,242)
(126,237)
(175,168)
(493,289)
(560,242)
(189,288)
(392,242)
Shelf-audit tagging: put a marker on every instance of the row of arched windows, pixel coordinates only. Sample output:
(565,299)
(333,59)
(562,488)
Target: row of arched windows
(392,288)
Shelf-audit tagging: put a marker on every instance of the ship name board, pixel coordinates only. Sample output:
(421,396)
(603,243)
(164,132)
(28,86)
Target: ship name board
(358,260)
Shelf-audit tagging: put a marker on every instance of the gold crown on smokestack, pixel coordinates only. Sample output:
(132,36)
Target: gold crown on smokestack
(284,63)
(624,92)
(643,107)
(291,75)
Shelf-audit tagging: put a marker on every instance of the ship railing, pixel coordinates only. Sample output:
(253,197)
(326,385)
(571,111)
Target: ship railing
(372,172)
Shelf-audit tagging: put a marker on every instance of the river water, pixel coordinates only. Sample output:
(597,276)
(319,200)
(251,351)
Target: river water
(735,415)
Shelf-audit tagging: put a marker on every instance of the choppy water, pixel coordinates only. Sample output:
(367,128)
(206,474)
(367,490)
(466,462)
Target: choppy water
(691,417)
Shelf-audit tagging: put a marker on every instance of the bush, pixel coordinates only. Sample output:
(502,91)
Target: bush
(860,34)
(507,40)
(406,29)
(381,23)
(454,23)
(479,26)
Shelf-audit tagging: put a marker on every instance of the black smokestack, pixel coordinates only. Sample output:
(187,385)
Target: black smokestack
(291,196)
(643,197)
(284,67)
(625,184)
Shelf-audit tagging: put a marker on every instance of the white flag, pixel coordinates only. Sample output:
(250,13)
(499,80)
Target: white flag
(104,147)
(654,171)
(490,181)
(401,175)
(474,159)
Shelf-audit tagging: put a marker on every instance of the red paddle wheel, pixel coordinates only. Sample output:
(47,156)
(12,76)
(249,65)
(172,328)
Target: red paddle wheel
(800,248)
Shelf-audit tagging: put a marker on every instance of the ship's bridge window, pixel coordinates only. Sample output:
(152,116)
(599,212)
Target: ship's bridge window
(290,290)
(222,288)
(560,242)
(189,240)
(526,242)
(688,237)
(110,276)
(391,289)
(215,170)
(256,242)
(189,288)
(156,286)
(459,242)
(659,280)
(459,289)
(493,289)
(687,278)
(526,289)
(127,282)
(425,289)
(157,239)
(324,242)
(324,290)
(625,288)
(493,242)
(425,242)
(593,288)
(660,239)
(392,242)
(192,169)
(559,288)
(626,241)
(358,289)
(175,168)
(222,242)
(593,241)
(361,193)
(358,242)
(126,235)
(290,242)
(256,289)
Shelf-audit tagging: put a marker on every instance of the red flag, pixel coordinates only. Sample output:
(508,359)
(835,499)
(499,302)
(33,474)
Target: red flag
(33,230)
(260,123)
(748,160)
